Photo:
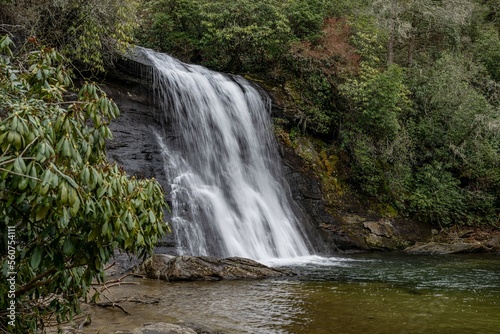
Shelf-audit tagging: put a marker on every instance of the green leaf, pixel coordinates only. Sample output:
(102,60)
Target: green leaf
(101,191)
(47,177)
(76,207)
(152,217)
(104,229)
(140,239)
(66,150)
(68,247)
(36,258)
(19,166)
(63,193)
(41,213)
(24,183)
(93,235)
(66,177)
(33,182)
(64,219)
(130,221)
(128,243)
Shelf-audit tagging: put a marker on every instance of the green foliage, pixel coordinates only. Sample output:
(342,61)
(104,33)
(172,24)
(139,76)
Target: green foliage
(312,95)
(70,207)
(244,34)
(418,30)
(491,11)
(454,117)
(436,196)
(378,108)
(86,32)
(434,155)
(456,127)
(487,50)
(368,40)
(247,36)
(173,26)
(233,36)
(306,17)
(239,35)
(378,99)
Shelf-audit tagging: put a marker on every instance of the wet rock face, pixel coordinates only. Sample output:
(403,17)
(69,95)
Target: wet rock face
(380,234)
(134,146)
(192,268)
(305,190)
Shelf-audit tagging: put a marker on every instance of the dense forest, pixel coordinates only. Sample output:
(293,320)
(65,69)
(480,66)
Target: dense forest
(404,97)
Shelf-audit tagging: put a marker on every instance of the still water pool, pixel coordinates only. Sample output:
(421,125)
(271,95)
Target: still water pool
(374,293)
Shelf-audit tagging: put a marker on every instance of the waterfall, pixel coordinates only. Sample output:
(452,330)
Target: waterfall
(227,194)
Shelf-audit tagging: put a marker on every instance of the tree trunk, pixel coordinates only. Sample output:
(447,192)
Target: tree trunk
(411,47)
(390,49)
(392,31)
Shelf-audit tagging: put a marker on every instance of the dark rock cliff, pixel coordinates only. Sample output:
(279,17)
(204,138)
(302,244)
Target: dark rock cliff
(134,146)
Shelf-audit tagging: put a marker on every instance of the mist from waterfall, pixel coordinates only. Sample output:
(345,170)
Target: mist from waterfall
(227,194)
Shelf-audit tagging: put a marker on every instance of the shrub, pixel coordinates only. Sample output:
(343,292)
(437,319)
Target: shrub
(69,207)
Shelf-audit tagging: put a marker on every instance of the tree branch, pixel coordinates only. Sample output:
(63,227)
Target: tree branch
(34,283)
(19,174)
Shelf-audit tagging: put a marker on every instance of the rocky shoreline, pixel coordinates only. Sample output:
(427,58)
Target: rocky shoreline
(459,241)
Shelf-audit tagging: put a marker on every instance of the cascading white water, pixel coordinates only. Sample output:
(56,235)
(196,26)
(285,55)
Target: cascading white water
(222,160)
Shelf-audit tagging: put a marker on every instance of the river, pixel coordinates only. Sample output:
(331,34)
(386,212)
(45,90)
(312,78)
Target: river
(363,293)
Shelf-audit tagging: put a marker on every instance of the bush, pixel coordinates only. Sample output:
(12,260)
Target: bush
(69,207)
(86,32)
(232,36)
(436,196)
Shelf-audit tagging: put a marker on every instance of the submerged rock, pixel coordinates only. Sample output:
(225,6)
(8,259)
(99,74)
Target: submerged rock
(162,328)
(168,328)
(191,268)
(438,248)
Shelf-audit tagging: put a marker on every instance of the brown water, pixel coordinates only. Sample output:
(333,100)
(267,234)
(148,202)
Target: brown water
(357,294)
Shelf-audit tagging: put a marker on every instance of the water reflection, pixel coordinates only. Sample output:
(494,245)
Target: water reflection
(372,307)
(253,307)
(362,294)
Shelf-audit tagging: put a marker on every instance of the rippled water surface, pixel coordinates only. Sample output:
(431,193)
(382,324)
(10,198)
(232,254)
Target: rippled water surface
(376,293)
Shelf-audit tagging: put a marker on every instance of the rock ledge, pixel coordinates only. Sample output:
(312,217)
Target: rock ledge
(192,268)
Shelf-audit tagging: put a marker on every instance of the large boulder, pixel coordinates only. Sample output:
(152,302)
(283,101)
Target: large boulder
(191,268)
